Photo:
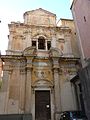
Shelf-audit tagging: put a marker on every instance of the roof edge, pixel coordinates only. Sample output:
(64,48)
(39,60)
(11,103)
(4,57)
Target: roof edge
(74,1)
(42,10)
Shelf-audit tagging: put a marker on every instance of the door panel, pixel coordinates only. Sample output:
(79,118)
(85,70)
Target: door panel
(42,105)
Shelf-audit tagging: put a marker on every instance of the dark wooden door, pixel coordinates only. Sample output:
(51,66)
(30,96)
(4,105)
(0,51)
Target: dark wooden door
(42,105)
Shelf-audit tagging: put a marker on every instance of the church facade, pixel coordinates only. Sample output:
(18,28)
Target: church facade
(39,63)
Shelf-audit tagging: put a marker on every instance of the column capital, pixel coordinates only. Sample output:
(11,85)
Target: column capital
(56,70)
(55,62)
(22,71)
(29,68)
(29,62)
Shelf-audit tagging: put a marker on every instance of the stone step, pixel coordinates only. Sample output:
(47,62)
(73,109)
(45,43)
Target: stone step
(16,117)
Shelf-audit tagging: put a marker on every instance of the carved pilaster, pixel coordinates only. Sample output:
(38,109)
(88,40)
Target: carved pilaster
(55,63)
(5,88)
(28,90)
(56,84)
(22,90)
(28,84)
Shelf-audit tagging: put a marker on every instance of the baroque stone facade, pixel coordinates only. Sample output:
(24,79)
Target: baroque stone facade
(38,66)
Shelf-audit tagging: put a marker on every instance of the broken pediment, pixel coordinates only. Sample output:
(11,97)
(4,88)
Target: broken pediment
(30,51)
(54,52)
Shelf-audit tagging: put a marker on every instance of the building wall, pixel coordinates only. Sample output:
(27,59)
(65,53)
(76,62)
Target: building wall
(74,39)
(28,68)
(80,10)
(21,37)
(0,69)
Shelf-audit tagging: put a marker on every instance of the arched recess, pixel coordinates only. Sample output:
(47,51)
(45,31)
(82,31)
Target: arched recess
(41,42)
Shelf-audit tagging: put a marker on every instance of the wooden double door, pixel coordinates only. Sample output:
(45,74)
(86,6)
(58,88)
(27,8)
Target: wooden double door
(42,105)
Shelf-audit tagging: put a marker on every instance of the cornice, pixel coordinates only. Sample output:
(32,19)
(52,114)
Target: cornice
(15,57)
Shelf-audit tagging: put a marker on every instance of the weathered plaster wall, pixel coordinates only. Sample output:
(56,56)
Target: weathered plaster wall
(80,10)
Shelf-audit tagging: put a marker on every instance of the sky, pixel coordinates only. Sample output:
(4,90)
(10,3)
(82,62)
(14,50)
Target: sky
(12,10)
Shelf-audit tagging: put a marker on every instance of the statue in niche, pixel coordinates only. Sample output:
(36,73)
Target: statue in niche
(42,74)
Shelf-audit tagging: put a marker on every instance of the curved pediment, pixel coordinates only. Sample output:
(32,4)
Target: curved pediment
(29,51)
(55,52)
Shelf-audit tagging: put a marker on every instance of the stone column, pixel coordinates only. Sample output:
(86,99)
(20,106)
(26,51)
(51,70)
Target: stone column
(10,41)
(56,86)
(53,42)
(28,38)
(4,92)
(22,90)
(28,91)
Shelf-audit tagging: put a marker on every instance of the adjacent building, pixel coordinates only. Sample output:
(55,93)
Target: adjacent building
(80,10)
(39,64)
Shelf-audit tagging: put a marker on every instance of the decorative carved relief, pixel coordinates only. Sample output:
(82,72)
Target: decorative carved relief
(42,74)
(42,77)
